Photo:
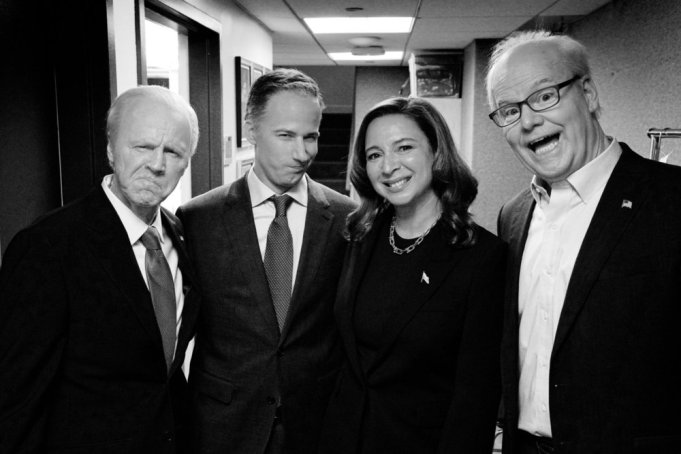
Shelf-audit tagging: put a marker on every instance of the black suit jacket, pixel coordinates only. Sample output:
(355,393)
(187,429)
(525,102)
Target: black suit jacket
(81,360)
(434,384)
(242,368)
(614,377)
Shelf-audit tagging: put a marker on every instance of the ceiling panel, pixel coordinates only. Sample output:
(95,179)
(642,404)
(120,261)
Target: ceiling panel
(574,7)
(467,8)
(441,24)
(265,9)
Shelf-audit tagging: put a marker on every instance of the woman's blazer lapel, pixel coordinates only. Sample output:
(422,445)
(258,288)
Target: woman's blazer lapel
(433,270)
(355,265)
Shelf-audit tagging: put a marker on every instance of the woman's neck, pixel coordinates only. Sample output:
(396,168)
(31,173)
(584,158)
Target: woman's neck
(411,223)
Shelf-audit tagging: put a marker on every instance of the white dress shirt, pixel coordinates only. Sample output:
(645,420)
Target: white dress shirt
(135,228)
(559,222)
(264,212)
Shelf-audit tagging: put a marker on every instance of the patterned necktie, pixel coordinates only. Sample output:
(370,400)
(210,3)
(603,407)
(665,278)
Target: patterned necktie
(279,258)
(162,289)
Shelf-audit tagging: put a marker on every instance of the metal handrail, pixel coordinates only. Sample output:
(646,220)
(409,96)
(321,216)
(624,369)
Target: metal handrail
(656,135)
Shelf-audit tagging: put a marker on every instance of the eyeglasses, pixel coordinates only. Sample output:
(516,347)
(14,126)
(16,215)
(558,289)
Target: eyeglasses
(538,101)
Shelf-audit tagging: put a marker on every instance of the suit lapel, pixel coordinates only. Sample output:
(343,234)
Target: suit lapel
(190,306)
(111,249)
(244,251)
(514,231)
(318,223)
(624,194)
(516,237)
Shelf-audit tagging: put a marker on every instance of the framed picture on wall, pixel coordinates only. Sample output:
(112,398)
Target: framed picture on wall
(246,73)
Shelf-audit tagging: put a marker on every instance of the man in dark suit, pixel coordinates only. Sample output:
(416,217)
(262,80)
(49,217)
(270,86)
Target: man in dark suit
(93,327)
(594,284)
(267,351)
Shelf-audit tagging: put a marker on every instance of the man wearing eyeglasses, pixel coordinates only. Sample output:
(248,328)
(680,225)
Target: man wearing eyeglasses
(591,341)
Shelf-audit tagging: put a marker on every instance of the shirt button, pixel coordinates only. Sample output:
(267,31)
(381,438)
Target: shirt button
(543,407)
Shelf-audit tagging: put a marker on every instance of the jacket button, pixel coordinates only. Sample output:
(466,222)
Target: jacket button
(271,400)
(280,353)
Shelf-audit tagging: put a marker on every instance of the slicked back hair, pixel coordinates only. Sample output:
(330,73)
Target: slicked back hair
(281,79)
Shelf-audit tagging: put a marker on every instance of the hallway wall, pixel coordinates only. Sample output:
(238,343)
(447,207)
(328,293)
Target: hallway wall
(337,84)
(635,49)
(499,173)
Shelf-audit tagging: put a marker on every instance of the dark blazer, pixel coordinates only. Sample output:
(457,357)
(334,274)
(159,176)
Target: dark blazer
(242,368)
(434,384)
(614,377)
(81,360)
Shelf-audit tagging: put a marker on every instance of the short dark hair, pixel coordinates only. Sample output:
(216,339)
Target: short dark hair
(280,79)
(452,182)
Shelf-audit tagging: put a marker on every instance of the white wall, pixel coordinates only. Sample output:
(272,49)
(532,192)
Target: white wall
(635,52)
(240,35)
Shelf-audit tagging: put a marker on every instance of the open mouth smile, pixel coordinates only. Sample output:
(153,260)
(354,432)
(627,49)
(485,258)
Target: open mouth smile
(397,184)
(544,144)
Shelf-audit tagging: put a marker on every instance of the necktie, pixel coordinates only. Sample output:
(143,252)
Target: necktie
(162,289)
(279,258)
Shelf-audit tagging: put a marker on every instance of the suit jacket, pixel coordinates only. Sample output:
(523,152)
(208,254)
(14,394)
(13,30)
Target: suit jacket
(614,379)
(81,359)
(242,368)
(434,383)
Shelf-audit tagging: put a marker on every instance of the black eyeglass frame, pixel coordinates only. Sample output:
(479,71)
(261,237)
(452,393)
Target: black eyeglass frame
(492,116)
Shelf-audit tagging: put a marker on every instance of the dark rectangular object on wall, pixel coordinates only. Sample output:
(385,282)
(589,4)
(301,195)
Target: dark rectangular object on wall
(437,74)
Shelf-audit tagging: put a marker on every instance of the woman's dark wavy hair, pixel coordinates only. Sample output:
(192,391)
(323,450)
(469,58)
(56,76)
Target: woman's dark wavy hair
(452,182)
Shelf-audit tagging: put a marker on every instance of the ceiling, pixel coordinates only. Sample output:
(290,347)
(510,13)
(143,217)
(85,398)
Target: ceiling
(439,25)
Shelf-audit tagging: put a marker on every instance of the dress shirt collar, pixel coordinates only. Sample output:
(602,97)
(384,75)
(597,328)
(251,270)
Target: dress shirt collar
(588,181)
(260,192)
(134,226)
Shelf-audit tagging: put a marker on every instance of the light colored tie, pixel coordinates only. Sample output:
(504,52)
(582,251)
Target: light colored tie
(162,289)
(279,258)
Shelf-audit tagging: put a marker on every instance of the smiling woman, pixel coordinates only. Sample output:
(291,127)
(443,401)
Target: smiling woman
(420,298)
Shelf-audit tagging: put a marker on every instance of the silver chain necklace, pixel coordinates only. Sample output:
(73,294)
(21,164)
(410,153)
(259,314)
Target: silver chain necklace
(411,247)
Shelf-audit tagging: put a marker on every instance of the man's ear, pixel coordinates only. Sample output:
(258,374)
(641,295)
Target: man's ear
(590,94)
(109,155)
(249,128)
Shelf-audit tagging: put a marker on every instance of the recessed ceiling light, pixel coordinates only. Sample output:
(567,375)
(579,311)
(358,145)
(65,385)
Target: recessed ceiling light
(323,25)
(391,55)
